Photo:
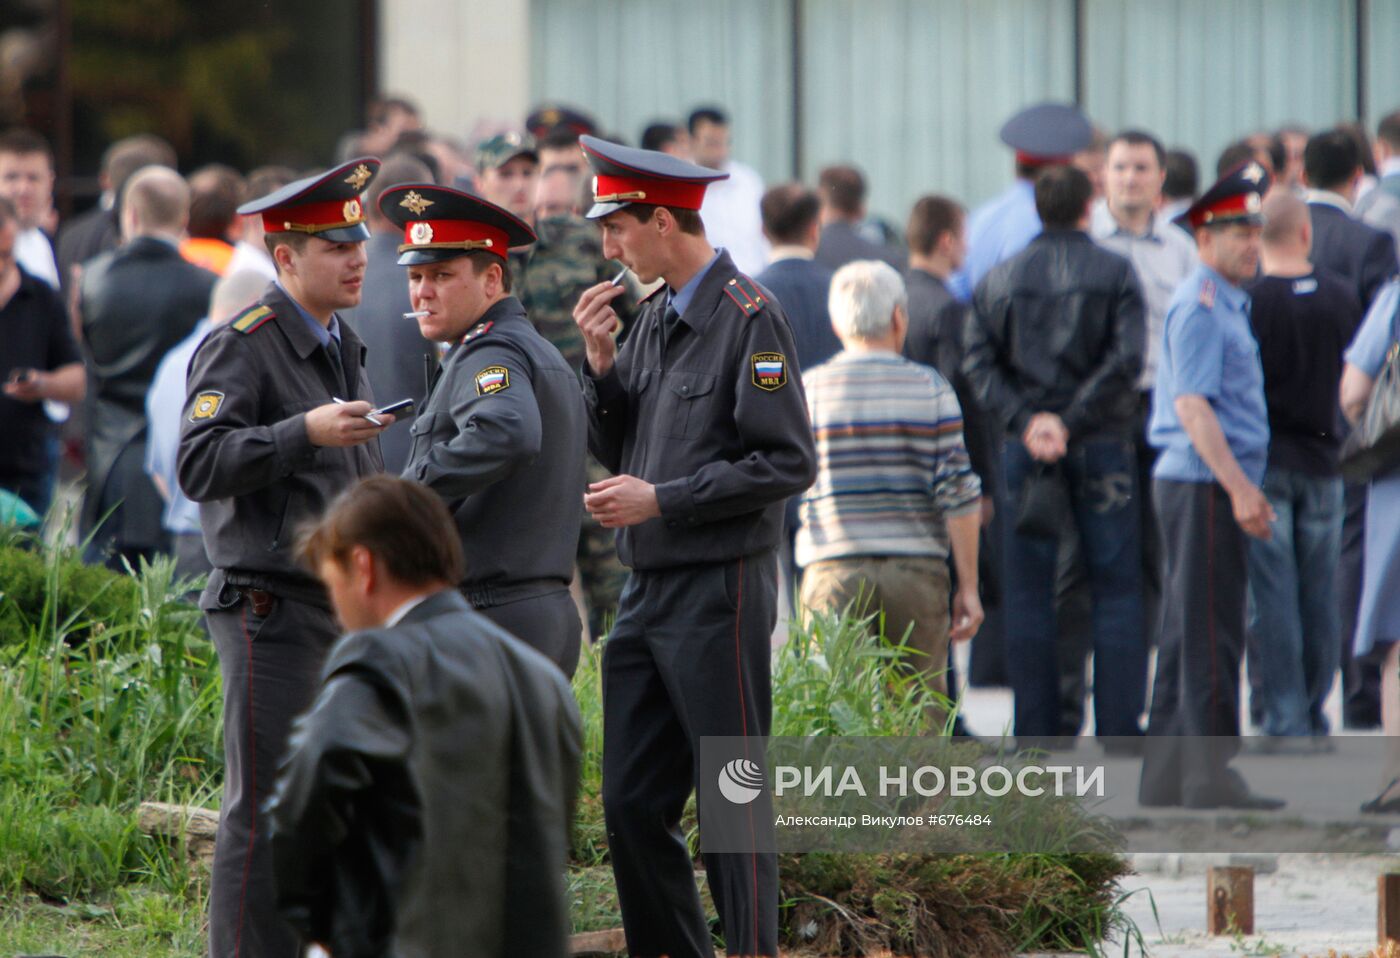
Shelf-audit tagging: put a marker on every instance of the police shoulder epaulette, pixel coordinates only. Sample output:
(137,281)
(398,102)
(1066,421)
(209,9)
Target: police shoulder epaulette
(745,294)
(251,319)
(477,331)
(1207,296)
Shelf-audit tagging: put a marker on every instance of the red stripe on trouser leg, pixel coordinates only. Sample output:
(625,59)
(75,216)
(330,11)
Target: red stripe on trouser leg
(1210,608)
(253,789)
(744,724)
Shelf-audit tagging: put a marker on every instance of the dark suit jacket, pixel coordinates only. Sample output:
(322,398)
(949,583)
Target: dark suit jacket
(936,323)
(398,354)
(425,800)
(1362,255)
(83,237)
(801,286)
(841,243)
(137,302)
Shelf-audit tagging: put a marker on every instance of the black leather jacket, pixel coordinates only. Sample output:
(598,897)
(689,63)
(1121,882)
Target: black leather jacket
(1058,328)
(424,802)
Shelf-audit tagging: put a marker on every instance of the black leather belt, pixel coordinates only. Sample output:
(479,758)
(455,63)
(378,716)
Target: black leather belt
(484,595)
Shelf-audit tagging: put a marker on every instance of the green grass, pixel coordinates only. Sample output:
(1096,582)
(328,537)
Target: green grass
(109,696)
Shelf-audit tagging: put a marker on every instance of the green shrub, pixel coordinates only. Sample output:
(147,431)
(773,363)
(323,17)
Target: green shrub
(54,591)
(109,696)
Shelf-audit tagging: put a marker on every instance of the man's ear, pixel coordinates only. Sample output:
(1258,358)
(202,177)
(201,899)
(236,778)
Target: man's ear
(362,562)
(282,256)
(664,221)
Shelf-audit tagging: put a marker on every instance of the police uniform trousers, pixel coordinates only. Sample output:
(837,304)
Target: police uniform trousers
(1193,726)
(547,623)
(689,656)
(271,650)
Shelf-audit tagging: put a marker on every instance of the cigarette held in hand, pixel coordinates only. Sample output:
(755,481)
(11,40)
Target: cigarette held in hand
(617,280)
(415,314)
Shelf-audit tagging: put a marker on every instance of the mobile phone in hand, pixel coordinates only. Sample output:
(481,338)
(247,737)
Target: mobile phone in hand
(404,406)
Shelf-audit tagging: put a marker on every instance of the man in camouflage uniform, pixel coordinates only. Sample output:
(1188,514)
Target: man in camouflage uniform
(549,277)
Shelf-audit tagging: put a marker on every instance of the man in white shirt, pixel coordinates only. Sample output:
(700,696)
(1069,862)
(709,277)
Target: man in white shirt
(250,253)
(26,180)
(1126,222)
(731,210)
(1381,206)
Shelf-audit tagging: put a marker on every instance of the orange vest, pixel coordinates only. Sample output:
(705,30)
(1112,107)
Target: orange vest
(214,255)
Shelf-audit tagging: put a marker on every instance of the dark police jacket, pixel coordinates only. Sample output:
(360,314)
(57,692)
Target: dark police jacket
(137,302)
(424,803)
(244,453)
(715,419)
(1058,328)
(501,439)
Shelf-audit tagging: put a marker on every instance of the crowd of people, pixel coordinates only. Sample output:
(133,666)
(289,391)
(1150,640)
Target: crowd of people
(1101,414)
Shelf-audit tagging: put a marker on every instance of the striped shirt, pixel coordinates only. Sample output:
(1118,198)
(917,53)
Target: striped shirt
(891,465)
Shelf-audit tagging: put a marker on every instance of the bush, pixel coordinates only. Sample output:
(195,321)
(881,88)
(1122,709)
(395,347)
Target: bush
(109,696)
(56,592)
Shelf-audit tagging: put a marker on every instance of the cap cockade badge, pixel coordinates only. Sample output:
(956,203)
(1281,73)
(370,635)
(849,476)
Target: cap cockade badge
(415,203)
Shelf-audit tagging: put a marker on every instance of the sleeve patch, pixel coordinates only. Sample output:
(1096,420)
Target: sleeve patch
(206,406)
(770,371)
(745,295)
(252,319)
(492,379)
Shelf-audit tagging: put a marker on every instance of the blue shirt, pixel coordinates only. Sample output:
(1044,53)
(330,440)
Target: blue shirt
(165,401)
(323,334)
(996,231)
(1208,349)
(1377,333)
(680,300)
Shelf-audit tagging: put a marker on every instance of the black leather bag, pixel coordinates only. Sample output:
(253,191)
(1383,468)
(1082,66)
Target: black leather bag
(1044,501)
(1373,448)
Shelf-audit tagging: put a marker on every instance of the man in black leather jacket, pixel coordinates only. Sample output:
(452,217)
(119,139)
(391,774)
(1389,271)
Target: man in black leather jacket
(423,806)
(1053,352)
(136,303)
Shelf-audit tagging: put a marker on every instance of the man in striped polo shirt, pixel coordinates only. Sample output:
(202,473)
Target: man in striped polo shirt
(893,485)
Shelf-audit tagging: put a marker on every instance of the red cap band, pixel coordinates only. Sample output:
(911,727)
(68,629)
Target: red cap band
(1036,160)
(635,189)
(313,217)
(455,234)
(1234,207)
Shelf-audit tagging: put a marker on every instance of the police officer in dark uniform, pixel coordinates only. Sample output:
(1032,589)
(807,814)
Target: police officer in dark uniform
(1210,420)
(276,424)
(701,418)
(502,434)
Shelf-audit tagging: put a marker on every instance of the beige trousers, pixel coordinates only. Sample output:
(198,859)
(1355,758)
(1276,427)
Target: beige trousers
(911,591)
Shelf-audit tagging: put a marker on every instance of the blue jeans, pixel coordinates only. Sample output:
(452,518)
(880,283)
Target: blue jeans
(1102,480)
(1293,634)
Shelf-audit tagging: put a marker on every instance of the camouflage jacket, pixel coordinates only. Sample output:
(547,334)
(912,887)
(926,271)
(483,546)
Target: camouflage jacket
(550,276)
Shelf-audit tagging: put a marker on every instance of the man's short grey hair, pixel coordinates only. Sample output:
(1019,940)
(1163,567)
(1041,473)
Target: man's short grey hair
(863,298)
(235,292)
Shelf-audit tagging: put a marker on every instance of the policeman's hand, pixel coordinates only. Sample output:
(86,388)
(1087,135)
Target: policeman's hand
(967,614)
(343,424)
(1253,512)
(597,321)
(621,501)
